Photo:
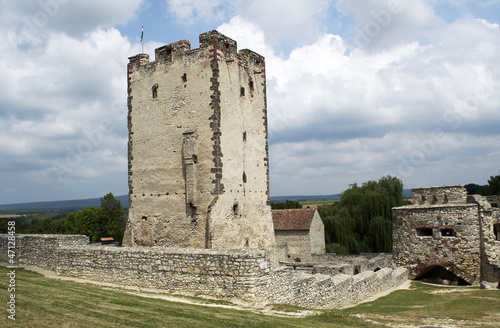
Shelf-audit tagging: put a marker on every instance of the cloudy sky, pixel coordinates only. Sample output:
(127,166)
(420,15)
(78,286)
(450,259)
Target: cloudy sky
(357,89)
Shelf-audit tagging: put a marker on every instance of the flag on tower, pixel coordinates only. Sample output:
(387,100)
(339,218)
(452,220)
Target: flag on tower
(142,33)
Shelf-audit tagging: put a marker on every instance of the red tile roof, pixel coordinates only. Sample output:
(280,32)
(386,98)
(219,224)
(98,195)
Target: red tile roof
(293,219)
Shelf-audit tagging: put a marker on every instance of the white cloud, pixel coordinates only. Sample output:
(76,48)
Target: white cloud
(292,21)
(63,111)
(191,11)
(418,100)
(369,113)
(32,20)
(383,24)
(295,20)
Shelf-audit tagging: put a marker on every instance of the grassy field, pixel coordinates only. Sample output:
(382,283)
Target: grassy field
(8,216)
(318,202)
(44,302)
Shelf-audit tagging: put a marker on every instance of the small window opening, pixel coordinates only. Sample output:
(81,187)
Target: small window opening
(496,231)
(242,92)
(169,52)
(356,270)
(424,232)
(226,46)
(245,136)
(247,242)
(422,199)
(235,209)
(154,89)
(244,177)
(448,232)
(184,78)
(250,85)
(434,199)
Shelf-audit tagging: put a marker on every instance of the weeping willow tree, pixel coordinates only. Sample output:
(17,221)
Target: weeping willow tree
(361,221)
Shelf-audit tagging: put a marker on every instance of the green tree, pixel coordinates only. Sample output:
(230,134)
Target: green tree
(361,221)
(107,221)
(494,185)
(111,218)
(70,223)
(285,205)
(87,223)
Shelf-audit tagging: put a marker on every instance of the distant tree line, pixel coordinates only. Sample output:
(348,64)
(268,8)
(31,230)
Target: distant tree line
(107,221)
(492,188)
(361,222)
(285,205)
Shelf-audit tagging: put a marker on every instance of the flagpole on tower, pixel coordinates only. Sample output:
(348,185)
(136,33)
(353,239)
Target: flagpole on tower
(142,38)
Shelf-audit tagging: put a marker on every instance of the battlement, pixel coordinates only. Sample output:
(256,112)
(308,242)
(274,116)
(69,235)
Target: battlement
(218,41)
(213,44)
(439,195)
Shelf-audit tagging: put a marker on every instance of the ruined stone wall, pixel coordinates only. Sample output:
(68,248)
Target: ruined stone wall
(40,249)
(288,286)
(490,243)
(438,235)
(317,235)
(198,156)
(439,195)
(351,264)
(221,273)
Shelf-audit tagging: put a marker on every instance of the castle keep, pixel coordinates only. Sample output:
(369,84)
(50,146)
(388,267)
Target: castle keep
(198,155)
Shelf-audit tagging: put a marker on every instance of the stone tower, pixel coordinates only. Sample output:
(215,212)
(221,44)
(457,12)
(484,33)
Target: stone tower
(198,155)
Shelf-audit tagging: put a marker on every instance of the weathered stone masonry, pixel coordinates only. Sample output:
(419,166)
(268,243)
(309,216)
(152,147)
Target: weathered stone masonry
(220,273)
(447,229)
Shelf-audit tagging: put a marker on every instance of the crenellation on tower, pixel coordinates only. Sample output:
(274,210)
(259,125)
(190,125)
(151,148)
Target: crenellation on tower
(173,50)
(140,59)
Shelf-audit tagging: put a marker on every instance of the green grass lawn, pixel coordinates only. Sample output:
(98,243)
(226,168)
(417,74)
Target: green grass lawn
(44,302)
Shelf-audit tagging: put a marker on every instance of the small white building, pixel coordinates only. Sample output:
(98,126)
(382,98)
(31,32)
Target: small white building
(299,233)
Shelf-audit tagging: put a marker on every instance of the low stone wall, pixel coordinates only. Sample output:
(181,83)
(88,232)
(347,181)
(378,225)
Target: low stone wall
(40,250)
(350,264)
(219,273)
(285,285)
(242,274)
